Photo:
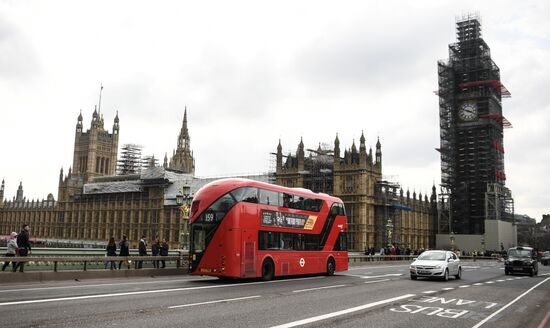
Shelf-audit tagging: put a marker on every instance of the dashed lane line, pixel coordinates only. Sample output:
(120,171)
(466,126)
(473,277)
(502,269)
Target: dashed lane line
(214,302)
(383,275)
(478,284)
(316,288)
(448,288)
(429,292)
(464,286)
(375,281)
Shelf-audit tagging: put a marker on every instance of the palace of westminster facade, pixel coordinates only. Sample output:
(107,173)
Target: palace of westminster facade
(94,204)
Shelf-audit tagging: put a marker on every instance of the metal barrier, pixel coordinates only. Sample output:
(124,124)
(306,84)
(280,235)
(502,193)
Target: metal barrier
(59,259)
(410,258)
(91,262)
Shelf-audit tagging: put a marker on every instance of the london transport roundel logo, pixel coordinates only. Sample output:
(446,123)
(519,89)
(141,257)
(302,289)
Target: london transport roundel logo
(302,262)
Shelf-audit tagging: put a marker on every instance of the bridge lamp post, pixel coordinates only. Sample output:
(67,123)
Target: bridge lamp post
(183,200)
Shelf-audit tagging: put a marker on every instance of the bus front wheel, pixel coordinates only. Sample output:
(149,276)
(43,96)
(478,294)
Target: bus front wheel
(331,267)
(268,270)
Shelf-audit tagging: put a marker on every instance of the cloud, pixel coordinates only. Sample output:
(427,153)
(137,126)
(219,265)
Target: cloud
(18,61)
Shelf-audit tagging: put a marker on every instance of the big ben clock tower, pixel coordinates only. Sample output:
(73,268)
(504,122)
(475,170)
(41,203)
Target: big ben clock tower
(471,130)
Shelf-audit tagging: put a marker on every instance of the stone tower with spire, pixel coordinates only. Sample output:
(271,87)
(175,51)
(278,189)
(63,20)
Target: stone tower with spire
(95,154)
(182,158)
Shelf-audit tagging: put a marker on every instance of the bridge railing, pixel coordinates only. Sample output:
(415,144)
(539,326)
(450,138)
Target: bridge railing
(352,258)
(62,259)
(84,259)
(57,263)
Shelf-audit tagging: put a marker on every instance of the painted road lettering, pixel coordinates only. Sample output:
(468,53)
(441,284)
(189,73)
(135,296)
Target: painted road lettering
(430,310)
(457,301)
(435,307)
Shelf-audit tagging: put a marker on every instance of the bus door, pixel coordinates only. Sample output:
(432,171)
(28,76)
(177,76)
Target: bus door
(249,253)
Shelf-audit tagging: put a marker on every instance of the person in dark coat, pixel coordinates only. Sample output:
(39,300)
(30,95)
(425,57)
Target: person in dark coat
(111,251)
(24,246)
(155,251)
(164,251)
(142,249)
(124,247)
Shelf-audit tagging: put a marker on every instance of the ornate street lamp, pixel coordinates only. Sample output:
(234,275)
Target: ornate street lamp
(183,200)
(452,237)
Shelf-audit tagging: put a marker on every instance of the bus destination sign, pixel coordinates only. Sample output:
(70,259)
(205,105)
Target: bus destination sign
(287,220)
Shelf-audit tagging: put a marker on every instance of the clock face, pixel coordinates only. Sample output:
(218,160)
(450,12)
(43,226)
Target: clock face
(468,112)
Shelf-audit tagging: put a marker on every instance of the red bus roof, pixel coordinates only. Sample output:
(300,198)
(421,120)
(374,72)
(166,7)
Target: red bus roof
(215,189)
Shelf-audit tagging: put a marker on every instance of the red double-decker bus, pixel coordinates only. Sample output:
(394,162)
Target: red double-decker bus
(248,229)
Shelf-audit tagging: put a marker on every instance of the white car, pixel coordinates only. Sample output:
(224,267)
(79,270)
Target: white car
(436,264)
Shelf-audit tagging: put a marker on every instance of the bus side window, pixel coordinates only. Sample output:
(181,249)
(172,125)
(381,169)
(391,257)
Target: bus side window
(269,197)
(287,200)
(246,194)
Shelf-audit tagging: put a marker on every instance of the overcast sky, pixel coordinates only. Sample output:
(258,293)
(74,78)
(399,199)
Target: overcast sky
(252,73)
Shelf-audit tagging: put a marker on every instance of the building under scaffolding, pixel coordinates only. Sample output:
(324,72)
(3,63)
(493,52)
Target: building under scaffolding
(471,135)
(378,212)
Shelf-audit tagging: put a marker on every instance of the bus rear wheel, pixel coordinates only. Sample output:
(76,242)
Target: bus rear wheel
(331,267)
(268,270)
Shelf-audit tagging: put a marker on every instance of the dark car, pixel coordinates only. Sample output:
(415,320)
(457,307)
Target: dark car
(545,259)
(521,260)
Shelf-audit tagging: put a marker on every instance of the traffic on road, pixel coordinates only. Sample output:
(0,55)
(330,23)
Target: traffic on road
(368,295)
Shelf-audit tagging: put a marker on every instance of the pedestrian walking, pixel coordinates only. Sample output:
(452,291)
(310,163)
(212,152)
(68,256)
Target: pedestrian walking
(124,247)
(11,250)
(155,251)
(142,249)
(24,246)
(164,251)
(111,251)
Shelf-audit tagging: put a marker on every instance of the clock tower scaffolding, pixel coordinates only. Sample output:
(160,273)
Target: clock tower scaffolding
(471,135)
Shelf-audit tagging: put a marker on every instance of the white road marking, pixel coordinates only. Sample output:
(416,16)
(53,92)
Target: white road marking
(354,275)
(383,275)
(101,285)
(471,267)
(448,288)
(375,281)
(342,312)
(371,267)
(478,284)
(317,288)
(501,280)
(510,279)
(489,282)
(464,286)
(430,292)
(72,298)
(213,302)
(507,305)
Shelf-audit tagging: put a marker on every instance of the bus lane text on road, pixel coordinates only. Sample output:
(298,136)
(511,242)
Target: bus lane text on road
(451,308)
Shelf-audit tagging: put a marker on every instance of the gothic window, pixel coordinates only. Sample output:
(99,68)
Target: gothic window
(348,184)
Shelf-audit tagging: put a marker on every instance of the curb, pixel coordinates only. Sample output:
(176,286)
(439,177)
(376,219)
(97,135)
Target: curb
(43,276)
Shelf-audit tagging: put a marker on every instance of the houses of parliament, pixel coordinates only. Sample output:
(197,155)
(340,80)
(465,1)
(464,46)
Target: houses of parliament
(94,203)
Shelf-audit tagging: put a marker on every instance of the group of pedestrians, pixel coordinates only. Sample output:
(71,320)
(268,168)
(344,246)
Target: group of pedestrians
(18,246)
(158,248)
